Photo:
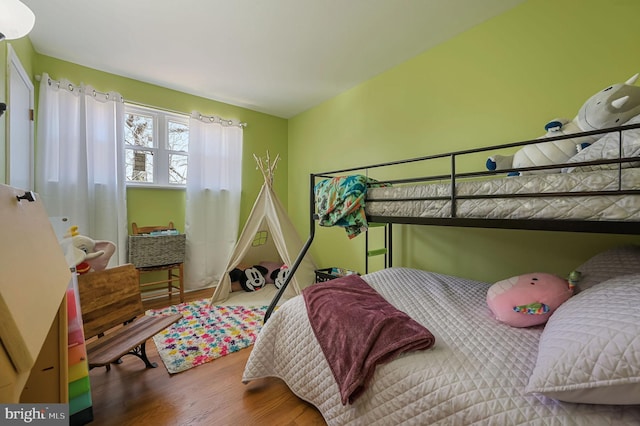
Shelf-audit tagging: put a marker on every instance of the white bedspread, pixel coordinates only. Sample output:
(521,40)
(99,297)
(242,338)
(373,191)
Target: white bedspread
(474,375)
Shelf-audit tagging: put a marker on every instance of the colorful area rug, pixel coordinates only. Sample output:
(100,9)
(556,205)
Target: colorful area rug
(205,333)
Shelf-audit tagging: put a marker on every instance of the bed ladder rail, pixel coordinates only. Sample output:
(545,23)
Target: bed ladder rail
(293,269)
(382,251)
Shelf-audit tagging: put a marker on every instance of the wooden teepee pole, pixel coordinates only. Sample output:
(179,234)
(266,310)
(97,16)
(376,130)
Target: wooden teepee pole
(267,167)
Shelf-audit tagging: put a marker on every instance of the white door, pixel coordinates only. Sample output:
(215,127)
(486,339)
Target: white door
(20,149)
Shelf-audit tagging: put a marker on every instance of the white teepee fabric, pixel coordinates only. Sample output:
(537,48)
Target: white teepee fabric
(282,243)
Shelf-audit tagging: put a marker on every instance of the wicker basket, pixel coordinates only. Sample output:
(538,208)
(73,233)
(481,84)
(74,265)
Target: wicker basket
(159,250)
(328,274)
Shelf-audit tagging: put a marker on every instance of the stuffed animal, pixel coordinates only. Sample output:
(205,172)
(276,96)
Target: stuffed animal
(527,300)
(255,277)
(610,107)
(272,268)
(279,276)
(86,253)
(250,279)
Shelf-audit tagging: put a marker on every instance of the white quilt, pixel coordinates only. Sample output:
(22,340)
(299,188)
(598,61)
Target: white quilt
(605,207)
(474,375)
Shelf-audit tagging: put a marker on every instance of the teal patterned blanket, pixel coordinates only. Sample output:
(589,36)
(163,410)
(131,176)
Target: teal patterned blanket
(340,201)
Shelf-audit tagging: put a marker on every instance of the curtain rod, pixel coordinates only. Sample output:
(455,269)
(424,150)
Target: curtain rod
(195,114)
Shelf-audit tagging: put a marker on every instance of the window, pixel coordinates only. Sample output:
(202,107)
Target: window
(156,147)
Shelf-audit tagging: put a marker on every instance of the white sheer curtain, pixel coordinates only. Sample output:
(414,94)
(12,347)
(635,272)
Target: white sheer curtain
(80,160)
(214,182)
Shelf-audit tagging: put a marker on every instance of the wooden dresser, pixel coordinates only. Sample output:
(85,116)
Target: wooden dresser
(33,307)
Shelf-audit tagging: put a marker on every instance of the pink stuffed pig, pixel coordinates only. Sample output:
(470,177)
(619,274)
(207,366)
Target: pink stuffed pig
(527,300)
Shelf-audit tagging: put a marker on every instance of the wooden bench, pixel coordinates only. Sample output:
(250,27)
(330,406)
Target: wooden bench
(112,311)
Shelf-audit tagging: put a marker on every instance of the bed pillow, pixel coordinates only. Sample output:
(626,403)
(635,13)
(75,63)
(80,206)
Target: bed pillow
(608,264)
(607,147)
(589,351)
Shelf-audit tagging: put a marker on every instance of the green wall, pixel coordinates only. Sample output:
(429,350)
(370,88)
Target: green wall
(496,83)
(158,206)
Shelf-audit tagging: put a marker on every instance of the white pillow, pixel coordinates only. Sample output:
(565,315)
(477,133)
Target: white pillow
(608,147)
(589,351)
(615,262)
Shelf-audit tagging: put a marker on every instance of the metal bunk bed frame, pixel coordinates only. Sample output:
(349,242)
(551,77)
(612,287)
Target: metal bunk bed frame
(590,226)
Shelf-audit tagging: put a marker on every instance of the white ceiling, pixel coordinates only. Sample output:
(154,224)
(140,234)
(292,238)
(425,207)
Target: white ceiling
(280,57)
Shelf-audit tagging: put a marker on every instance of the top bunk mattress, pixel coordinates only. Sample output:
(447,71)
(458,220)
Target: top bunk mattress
(545,199)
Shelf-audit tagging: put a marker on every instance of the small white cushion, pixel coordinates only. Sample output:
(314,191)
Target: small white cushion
(589,351)
(607,147)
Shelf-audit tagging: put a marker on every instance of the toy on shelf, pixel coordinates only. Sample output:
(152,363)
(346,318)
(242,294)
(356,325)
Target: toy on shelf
(85,253)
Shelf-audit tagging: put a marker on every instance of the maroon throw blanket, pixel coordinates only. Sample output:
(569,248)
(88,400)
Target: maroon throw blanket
(358,329)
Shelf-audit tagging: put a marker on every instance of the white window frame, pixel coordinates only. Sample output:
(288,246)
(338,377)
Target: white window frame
(160,152)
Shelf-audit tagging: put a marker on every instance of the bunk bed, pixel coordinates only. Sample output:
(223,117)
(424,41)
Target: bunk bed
(481,371)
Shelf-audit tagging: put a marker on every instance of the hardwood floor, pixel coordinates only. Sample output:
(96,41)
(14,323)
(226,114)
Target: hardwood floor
(210,394)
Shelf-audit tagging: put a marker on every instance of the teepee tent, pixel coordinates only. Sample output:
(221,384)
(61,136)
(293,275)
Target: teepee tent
(268,236)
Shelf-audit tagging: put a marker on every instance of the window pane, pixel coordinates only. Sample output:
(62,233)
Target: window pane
(178,169)
(156,144)
(138,130)
(139,166)
(178,139)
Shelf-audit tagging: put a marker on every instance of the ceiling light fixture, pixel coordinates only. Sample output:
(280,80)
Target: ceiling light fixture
(16,19)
